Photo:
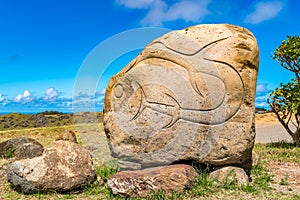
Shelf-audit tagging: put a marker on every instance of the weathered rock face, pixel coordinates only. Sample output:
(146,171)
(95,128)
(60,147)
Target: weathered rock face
(188,95)
(28,150)
(68,135)
(139,183)
(64,166)
(230,175)
(21,148)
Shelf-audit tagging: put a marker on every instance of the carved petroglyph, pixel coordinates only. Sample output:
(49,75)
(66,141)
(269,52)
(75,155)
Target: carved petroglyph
(187,95)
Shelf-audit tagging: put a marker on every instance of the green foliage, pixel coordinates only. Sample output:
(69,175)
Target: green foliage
(51,112)
(9,151)
(105,172)
(285,100)
(288,54)
(283,181)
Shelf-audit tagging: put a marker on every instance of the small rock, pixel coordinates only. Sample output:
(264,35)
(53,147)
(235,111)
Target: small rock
(139,183)
(230,174)
(68,135)
(40,121)
(28,150)
(9,148)
(64,166)
(23,124)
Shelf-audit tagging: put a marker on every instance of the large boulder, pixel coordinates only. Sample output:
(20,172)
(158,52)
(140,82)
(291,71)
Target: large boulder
(20,148)
(189,95)
(64,166)
(174,178)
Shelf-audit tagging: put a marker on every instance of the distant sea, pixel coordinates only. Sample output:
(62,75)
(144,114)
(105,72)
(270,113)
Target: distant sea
(28,113)
(33,113)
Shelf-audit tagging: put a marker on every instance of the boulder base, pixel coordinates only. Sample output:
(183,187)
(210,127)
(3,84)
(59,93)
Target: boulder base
(139,183)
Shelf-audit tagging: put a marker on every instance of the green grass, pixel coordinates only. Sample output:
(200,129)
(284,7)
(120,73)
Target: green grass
(203,188)
(279,151)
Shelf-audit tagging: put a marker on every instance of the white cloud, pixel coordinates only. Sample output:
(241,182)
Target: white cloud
(188,10)
(24,98)
(159,11)
(100,93)
(261,88)
(141,4)
(1,97)
(156,14)
(50,94)
(262,93)
(264,11)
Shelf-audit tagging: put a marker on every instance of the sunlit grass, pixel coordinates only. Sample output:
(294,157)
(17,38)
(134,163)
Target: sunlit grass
(204,188)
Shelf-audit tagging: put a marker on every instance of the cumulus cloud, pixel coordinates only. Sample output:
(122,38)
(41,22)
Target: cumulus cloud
(1,97)
(51,94)
(158,11)
(262,89)
(100,93)
(262,93)
(264,11)
(24,98)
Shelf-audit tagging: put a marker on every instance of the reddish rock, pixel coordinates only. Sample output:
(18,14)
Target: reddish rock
(139,183)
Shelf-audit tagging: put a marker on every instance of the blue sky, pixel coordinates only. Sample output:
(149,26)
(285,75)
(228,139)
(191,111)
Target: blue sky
(45,44)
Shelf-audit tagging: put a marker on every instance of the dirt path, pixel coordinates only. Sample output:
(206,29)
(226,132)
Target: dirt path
(268,129)
(266,133)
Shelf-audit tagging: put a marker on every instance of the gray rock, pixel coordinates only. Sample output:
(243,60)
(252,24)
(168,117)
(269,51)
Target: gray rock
(174,178)
(28,150)
(230,175)
(64,166)
(22,147)
(189,95)
(40,120)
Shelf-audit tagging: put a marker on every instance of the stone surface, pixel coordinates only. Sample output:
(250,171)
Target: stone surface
(229,175)
(40,121)
(64,166)
(28,150)
(20,148)
(189,95)
(68,135)
(139,183)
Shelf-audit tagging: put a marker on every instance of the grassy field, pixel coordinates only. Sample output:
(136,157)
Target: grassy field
(266,183)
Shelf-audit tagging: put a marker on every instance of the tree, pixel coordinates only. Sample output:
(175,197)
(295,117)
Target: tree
(284,101)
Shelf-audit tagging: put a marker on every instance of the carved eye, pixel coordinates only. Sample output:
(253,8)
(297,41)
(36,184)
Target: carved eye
(118,91)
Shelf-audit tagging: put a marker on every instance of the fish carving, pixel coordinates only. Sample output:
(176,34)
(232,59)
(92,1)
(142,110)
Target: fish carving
(229,103)
(189,95)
